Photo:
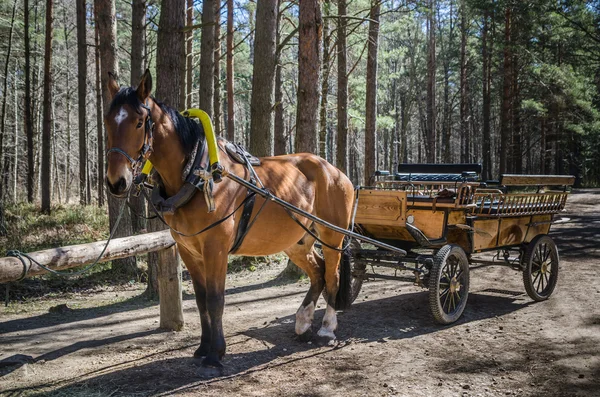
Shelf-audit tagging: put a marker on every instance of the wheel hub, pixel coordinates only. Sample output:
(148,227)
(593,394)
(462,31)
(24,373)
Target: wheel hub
(454,285)
(544,268)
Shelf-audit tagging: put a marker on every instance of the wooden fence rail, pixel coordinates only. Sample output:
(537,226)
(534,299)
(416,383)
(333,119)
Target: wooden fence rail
(169,272)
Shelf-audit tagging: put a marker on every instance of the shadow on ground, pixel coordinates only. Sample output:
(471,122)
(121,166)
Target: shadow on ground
(403,316)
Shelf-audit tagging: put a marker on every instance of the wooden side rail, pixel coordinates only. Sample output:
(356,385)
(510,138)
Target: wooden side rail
(502,205)
(536,180)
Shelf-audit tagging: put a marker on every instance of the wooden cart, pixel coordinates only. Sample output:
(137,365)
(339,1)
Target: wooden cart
(444,216)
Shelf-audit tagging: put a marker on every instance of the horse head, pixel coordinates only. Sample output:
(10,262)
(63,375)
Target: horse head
(129,132)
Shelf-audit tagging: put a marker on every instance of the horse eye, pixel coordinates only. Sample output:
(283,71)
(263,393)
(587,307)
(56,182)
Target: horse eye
(139,124)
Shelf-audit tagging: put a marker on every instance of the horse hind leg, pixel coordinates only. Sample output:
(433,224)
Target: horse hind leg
(331,285)
(304,256)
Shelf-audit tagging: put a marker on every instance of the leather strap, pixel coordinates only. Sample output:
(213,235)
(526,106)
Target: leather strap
(244,220)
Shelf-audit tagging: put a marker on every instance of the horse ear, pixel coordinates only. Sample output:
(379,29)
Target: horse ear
(145,87)
(113,86)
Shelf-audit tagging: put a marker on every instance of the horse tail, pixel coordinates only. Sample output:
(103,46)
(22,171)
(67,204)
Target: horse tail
(343,300)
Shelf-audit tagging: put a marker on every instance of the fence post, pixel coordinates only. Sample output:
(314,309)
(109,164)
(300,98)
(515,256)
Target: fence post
(169,289)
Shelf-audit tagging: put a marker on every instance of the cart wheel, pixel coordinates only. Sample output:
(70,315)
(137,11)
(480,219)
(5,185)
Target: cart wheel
(357,272)
(540,268)
(448,284)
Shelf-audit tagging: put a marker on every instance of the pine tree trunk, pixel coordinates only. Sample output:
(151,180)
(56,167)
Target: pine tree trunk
(486,133)
(517,159)
(464,120)
(81,92)
(99,106)
(230,83)
(505,121)
(263,75)
(27,106)
(341,158)
(138,45)
(217,73)
(309,69)
(207,57)
(138,40)
(107,33)
(5,97)
(324,85)
(280,142)
(431,68)
(46,131)
(371,101)
(189,55)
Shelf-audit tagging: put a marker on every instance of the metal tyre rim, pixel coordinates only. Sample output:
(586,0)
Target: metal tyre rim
(449,284)
(540,272)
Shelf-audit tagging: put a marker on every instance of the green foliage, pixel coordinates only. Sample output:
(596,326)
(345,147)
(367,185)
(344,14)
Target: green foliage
(29,230)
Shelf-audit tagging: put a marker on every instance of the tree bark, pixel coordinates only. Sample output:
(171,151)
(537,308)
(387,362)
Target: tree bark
(46,132)
(263,75)
(464,120)
(138,45)
(217,73)
(207,57)
(371,101)
(5,97)
(431,68)
(341,158)
(81,97)
(486,133)
(280,142)
(324,85)
(138,40)
(230,82)
(505,121)
(189,55)
(107,34)
(309,69)
(170,50)
(27,106)
(99,106)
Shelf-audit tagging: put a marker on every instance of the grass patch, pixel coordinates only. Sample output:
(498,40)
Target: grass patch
(30,230)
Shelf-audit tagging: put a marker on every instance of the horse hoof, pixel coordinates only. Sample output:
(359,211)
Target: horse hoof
(306,336)
(202,351)
(212,362)
(325,333)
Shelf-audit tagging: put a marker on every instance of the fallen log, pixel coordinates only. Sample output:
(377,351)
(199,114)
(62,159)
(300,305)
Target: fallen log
(61,258)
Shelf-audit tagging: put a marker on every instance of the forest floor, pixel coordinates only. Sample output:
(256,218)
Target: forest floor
(106,342)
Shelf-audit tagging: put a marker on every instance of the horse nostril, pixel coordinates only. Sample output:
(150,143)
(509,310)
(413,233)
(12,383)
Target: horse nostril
(118,187)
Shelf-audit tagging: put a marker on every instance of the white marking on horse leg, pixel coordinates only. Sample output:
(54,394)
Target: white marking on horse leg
(329,323)
(304,317)
(122,115)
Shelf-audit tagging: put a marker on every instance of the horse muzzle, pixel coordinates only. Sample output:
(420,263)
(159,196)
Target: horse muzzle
(120,187)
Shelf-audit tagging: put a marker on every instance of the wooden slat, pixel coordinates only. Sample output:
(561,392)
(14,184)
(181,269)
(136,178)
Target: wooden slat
(536,180)
(83,254)
(381,207)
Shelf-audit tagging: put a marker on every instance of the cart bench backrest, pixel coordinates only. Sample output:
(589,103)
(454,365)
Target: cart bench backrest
(536,180)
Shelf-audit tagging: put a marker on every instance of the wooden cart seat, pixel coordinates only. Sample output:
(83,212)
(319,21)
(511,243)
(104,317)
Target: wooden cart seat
(427,199)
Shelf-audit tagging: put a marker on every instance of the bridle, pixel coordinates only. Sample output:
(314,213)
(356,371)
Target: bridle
(146,148)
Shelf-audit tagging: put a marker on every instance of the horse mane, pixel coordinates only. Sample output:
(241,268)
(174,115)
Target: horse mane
(188,130)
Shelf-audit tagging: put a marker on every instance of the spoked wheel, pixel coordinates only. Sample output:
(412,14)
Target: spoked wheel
(448,284)
(357,271)
(540,268)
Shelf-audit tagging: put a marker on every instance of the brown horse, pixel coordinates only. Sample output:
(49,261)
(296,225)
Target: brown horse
(304,180)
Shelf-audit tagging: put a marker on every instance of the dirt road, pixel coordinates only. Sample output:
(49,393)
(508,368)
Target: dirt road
(109,344)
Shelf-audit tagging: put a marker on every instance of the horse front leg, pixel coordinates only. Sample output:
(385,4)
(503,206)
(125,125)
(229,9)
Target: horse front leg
(216,271)
(195,266)
(200,291)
